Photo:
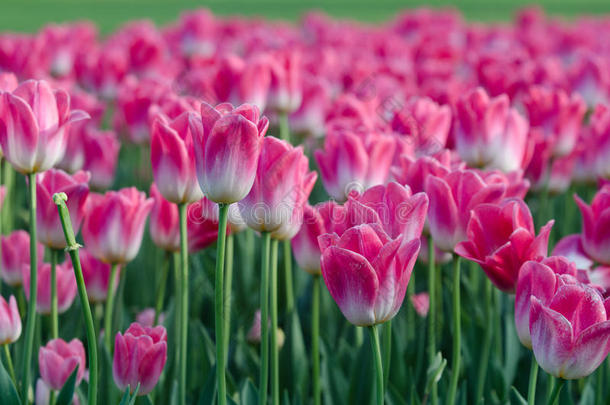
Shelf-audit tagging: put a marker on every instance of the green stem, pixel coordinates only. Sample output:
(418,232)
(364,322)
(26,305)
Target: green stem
(161,288)
(110,307)
(82,293)
(26,361)
(177,311)
(315,333)
(358,336)
(184,308)
(9,363)
(485,352)
(374,336)
(555,394)
(531,390)
(387,351)
(288,276)
(223,212)
(284,127)
(457,332)
(54,316)
(275,372)
(432,314)
(264,373)
(228,288)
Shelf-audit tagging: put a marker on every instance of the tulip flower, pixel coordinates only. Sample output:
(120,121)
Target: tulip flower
(571,248)
(101,150)
(33,122)
(57,361)
(10,321)
(8,82)
(501,237)
(596,225)
(173,159)
(146,317)
(96,275)
(413,172)
(66,286)
(254,333)
(2,195)
(227,145)
(139,357)
(285,92)
(305,243)
(201,229)
(16,254)
(114,224)
(421,303)
(164,227)
(50,232)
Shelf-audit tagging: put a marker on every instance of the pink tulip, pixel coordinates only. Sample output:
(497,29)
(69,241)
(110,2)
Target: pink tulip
(202,229)
(8,82)
(66,286)
(254,81)
(57,361)
(570,247)
(50,231)
(2,195)
(164,225)
(15,255)
(281,189)
(452,199)
(10,321)
(285,91)
(97,276)
(350,161)
(367,273)
(596,225)
(33,122)
(101,150)
(310,117)
(501,237)
(489,133)
(421,303)
(570,331)
(114,224)
(413,172)
(254,334)
(227,144)
(209,210)
(173,159)
(516,185)
(305,243)
(596,143)
(139,357)
(146,318)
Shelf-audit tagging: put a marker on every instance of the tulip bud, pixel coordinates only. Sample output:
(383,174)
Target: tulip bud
(16,254)
(58,359)
(96,275)
(66,286)
(10,321)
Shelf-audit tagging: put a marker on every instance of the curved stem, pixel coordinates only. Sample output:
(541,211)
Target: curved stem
(432,315)
(485,351)
(30,326)
(555,394)
(264,372)
(387,351)
(457,332)
(9,363)
(228,287)
(161,288)
(288,276)
(378,365)
(275,372)
(315,333)
(531,390)
(110,307)
(223,211)
(54,316)
(184,306)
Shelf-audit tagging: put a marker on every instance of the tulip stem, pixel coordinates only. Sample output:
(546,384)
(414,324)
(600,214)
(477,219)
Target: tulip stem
(275,372)
(315,333)
(486,342)
(31,316)
(184,311)
(177,312)
(387,351)
(531,391)
(9,363)
(284,127)
(288,276)
(432,315)
(555,394)
(161,288)
(110,307)
(264,373)
(219,302)
(72,248)
(378,364)
(457,331)
(228,288)
(54,316)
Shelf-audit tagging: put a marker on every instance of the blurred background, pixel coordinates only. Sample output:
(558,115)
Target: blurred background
(29,15)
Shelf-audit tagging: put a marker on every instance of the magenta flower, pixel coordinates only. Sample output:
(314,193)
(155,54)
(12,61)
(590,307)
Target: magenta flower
(596,225)
(164,225)
(57,361)
(139,357)
(305,243)
(97,276)
(101,154)
(202,229)
(15,255)
(66,286)
(10,321)
(285,88)
(421,303)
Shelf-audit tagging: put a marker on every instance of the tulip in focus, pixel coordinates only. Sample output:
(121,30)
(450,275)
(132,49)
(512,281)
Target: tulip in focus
(66,286)
(16,254)
(10,321)
(58,359)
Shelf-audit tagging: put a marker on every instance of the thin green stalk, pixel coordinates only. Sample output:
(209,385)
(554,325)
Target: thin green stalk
(432,315)
(54,313)
(275,364)
(531,390)
(110,307)
(284,127)
(184,308)
(487,340)
(26,362)
(387,351)
(9,363)
(555,394)
(358,336)
(288,276)
(223,212)
(264,372)
(161,288)
(457,332)
(228,289)
(315,335)
(72,248)
(379,392)
(178,311)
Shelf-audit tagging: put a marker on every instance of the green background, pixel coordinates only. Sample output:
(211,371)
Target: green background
(29,15)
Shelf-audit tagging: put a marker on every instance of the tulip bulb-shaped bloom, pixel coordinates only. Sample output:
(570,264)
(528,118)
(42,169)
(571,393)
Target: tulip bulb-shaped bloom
(101,157)
(2,195)
(164,225)
(571,331)
(596,225)
(139,357)
(173,159)
(281,189)
(501,237)
(114,224)
(66,286)
(10,321)
(227,144)
(57,361)
(33,120)
(305,243)
(15,255)
(96,275)
(50,231)
(421,303)
(201,229)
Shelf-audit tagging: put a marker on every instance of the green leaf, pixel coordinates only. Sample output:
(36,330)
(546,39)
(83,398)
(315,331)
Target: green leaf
(8,392)
(132,401)
(249,394)
(294,361)
(435,371)
(126,397)
(208,393)
(67,391)
(588,395)
(516,398)
(144,400)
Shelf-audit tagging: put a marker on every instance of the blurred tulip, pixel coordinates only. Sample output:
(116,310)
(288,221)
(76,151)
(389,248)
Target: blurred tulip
(10,321)
(164,227)
(413,172)
(66,286)
(101,150)
(202,230)
(285,89)
(305,243)
(2,195)
(596,225)
(146,318)
(421,303)
(254,334)
(8,82)
(58,359)
(96,275)
(16,254)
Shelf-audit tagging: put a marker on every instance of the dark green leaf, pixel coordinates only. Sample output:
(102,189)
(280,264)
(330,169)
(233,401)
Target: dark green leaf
(67,391)
(126,397)
(249,394)
(516,398)
(8,392)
